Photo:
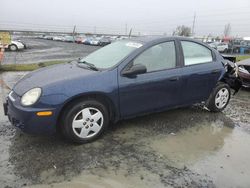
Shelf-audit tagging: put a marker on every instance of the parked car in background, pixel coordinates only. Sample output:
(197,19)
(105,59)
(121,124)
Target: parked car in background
(81,99)
(222,47)
(239,46)
(104,41)
(69,39)
(58,38)
(95,41)
(245,46)
(80,39)
(41,36)
(244,72)
(113,38)
(48,37)
(15,46)
(88,40)
(122,37)
(213,44)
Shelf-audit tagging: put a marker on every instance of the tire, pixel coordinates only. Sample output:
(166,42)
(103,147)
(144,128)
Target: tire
(84,121)
(13,47)
(219,98)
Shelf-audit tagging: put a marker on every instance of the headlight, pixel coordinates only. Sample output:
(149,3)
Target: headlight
(31,96)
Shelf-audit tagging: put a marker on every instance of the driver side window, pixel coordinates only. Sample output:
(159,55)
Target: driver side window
(159,57)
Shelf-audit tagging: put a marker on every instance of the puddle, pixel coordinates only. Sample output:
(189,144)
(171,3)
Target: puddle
(215,150)
(187,146)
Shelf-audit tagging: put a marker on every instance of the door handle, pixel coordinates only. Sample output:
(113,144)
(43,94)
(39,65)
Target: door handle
(175,78)
(215,71)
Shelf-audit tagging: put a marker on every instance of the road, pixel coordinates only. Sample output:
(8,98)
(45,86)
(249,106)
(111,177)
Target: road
(187,147)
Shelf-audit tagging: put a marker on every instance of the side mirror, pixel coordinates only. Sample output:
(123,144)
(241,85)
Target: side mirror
(135,69)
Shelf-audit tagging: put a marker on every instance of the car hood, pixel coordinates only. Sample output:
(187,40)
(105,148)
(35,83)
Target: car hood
(51,75)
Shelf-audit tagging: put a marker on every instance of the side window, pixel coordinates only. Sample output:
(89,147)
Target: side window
(195,53)
(158,57)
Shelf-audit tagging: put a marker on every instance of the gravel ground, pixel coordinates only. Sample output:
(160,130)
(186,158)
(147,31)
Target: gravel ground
(40,50)
(187,147)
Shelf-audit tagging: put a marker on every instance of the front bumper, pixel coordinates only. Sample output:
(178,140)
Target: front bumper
(26,119)
(20,47)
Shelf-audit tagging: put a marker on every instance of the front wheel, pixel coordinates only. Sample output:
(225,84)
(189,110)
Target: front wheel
(84,121)
(13,47)
(219,98)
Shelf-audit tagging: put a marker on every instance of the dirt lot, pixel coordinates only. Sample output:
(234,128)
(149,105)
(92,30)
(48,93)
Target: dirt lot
(40,50)
(179,148)
(188,147)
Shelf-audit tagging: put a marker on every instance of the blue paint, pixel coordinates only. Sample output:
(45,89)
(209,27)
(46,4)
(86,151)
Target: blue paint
(130,97)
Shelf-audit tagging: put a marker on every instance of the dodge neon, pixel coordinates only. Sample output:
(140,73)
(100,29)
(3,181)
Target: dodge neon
(122,80)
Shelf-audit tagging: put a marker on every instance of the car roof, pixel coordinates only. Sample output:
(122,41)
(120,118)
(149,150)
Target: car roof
(149,39)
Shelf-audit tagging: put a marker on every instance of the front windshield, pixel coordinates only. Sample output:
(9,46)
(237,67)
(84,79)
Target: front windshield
(111,54)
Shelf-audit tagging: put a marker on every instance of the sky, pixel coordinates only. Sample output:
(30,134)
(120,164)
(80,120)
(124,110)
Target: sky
(118,17)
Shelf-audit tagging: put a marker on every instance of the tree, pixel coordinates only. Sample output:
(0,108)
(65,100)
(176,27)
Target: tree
(182,31)
(227,30)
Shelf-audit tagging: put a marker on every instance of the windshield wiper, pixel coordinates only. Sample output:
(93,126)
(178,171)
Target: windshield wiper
(90,65)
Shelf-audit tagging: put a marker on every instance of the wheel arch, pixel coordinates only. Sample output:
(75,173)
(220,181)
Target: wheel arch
(100,97)
(9,47)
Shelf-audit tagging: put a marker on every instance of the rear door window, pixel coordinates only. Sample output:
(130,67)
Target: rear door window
(195,53)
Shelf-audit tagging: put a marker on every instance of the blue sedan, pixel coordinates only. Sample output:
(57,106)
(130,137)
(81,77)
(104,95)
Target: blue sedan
(125,79)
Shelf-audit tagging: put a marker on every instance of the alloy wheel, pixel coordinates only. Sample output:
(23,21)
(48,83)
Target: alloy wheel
(222,98)
(88,122)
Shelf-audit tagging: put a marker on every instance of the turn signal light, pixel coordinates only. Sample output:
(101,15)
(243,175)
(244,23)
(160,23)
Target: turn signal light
(45,113)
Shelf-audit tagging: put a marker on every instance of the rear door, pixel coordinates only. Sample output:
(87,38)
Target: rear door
(200,71)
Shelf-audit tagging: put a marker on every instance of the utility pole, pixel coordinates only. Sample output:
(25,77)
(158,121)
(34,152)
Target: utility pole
(130,32)
(74,31)
(126,29)
(193,24)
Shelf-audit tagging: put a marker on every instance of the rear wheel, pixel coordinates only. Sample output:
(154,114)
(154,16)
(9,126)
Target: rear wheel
(219,98)
(84,121)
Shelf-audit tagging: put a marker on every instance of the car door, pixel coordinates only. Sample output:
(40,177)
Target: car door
(200,72)
(158,88)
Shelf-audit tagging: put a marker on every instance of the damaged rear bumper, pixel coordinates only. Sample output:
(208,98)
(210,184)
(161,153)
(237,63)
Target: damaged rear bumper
(231,77)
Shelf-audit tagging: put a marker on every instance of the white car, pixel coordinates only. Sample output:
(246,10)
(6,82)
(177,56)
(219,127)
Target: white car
(58,38)
(95,41)
(222,47)
(213,45)
(15,45)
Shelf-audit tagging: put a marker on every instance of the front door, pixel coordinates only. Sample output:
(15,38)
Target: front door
(156,89)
